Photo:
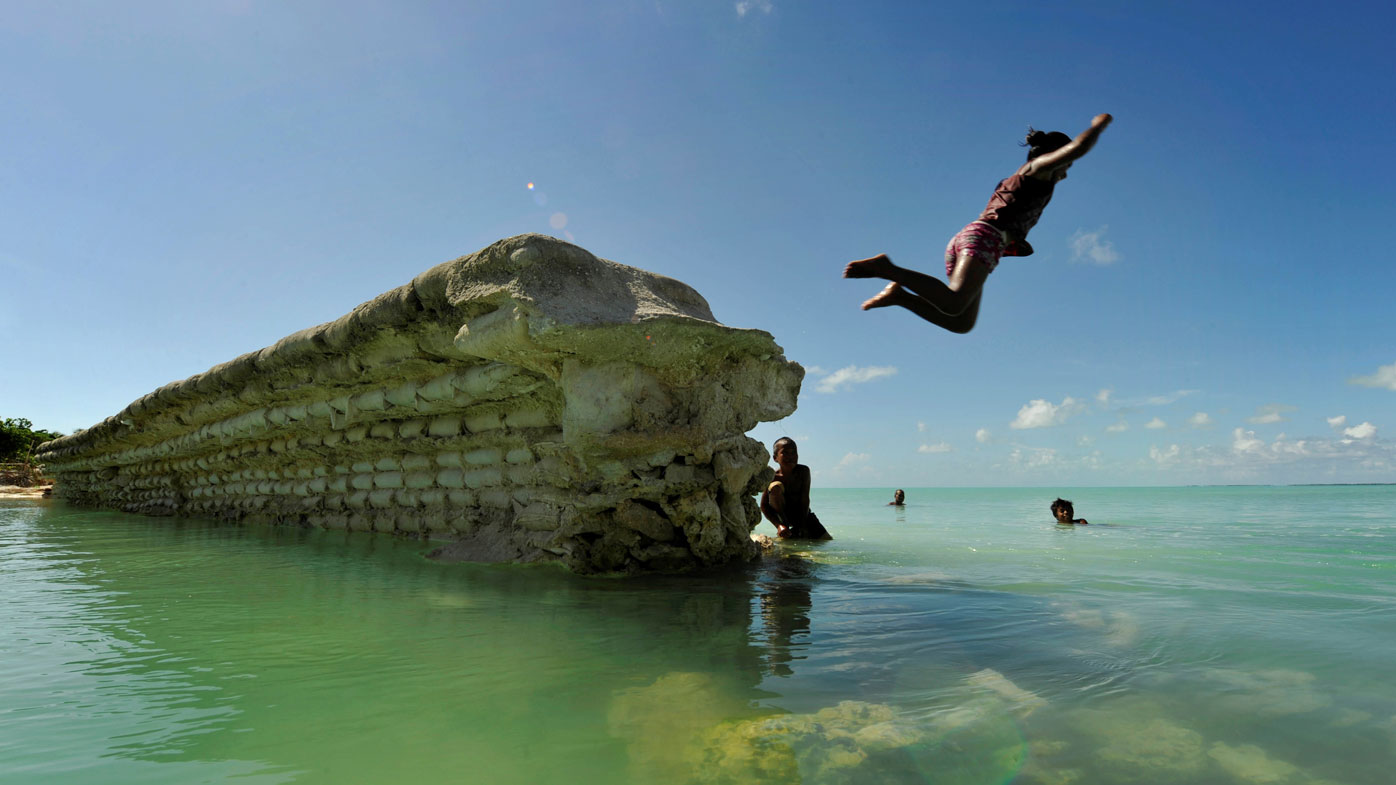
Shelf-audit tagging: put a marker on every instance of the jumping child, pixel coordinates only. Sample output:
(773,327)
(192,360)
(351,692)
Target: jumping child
(1001,230)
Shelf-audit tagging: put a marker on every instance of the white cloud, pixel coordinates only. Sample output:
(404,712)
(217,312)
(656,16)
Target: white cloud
(1245,441)
(921,427)
(1155,424)
(1152,400)
(853,375)
(1169,455)
(1033,457)
(1337,422)
(1248,459)
(745,7)
(1364,431)
(1091,247)
(982,435)
(935,448)
(1103,397)
(1270,413)
(1200,420)
(852,459)
(1118,427)
(1085,440)
(1043,414)
(815,370)
(1384,377)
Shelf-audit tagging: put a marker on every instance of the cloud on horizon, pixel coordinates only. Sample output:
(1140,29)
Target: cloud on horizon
(1385,378)
(1364,431)
(1270,413)
(1033,457)
(1248,458)
(853,375)
(1040,413)
(1200,420)
(938,447)
(1092,247)
(849,460)
(1155,400)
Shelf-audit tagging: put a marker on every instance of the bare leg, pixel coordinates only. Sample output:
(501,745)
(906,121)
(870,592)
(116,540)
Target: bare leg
(773,507)
(954,306)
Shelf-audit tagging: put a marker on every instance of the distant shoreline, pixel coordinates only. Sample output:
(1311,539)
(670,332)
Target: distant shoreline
(23,491)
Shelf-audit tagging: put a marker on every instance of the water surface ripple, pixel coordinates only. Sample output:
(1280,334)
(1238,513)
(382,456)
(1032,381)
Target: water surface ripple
(1197,635)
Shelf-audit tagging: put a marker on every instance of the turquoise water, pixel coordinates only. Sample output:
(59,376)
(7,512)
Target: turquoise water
(1197,635)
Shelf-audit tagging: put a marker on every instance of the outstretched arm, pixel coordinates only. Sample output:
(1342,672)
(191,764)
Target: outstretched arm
(1041,167)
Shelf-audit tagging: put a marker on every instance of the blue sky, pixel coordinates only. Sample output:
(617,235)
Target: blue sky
(1210,301)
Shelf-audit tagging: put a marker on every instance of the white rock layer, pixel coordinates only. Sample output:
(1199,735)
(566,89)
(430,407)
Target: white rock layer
(526,402)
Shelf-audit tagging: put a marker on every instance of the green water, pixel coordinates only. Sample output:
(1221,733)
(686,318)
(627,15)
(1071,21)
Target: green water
(1198,635)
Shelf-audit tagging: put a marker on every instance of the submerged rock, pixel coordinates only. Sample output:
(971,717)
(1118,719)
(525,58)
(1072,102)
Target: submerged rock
(1249,763)
(526,402)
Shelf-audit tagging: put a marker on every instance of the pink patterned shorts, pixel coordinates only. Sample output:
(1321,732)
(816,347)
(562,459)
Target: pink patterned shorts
(980,241)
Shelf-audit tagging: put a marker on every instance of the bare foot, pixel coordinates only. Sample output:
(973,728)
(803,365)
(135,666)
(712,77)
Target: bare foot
(891,295)
(875,267)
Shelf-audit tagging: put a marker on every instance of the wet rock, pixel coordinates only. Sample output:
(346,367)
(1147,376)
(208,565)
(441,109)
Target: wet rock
(530,400)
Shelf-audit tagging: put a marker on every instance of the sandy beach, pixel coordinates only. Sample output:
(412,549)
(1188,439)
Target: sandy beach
(23,492)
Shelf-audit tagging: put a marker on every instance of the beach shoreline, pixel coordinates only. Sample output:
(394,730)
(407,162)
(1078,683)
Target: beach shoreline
(25,492)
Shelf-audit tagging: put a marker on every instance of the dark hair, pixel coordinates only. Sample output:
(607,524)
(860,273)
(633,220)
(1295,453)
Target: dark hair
(1063,504)
(783,440)
(1043,142)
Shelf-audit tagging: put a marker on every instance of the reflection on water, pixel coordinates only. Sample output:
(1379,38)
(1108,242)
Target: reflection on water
(150,651)
(783,586)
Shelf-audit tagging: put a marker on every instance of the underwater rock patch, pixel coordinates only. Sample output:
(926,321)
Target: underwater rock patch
(528,402)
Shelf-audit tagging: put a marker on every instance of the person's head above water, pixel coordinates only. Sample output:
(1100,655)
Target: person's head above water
(899,496)
(1044,142)
(785,450)
(1063,511)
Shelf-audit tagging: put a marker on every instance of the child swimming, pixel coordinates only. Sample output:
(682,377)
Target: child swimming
(1062,511)
(1001,230)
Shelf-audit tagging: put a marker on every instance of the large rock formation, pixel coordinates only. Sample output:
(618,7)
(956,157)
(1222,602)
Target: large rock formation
(527,402)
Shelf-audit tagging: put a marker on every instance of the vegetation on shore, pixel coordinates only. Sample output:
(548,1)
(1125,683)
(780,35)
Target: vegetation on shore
(18,438)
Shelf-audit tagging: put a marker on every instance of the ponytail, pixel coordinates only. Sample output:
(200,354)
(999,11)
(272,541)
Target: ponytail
(1043,142)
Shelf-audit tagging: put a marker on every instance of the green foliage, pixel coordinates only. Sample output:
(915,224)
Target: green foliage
(18,438)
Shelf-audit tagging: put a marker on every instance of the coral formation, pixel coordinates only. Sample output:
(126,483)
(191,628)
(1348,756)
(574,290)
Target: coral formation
(526,402)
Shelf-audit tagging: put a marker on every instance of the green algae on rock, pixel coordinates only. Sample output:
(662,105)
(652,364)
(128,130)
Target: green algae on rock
(528,402)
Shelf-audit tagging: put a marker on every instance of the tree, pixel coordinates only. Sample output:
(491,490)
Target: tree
(18,438)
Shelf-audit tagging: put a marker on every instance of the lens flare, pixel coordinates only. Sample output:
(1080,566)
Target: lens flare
(530,186)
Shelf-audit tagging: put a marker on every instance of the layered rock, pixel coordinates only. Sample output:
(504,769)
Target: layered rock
(526,402)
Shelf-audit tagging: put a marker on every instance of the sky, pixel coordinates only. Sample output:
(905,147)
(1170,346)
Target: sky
(1210,301)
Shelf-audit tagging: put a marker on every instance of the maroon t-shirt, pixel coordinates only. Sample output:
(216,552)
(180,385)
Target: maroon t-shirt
(1015,207)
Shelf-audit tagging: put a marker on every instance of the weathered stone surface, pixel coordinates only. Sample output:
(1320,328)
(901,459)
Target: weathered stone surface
(527,402)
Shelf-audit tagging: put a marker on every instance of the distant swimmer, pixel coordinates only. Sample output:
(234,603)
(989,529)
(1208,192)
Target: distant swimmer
(898,499)
(1001,230)
(786,501)
(1062,511)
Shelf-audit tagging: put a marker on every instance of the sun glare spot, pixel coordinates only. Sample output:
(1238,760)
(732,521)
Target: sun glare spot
(530,186)
(558,220)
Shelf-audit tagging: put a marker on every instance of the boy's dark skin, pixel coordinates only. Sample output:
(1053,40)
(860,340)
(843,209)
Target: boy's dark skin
(785,502)
(1062,511)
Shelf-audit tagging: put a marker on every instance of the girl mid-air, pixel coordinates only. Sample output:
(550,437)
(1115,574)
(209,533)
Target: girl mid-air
(1001,230)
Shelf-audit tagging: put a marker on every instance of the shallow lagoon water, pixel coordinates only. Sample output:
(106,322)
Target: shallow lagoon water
(1198,635)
